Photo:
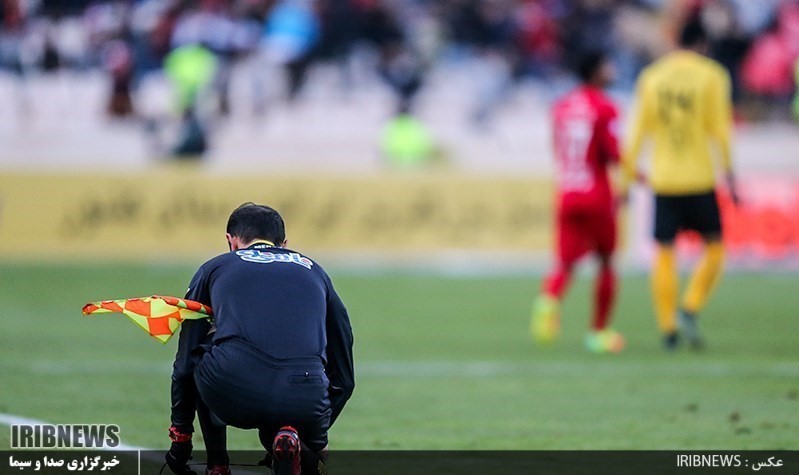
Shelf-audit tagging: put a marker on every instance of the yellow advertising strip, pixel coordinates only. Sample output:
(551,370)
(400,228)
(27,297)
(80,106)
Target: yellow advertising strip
(183,213)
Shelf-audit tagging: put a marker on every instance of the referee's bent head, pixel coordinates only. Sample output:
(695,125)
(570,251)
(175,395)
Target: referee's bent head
(252,222)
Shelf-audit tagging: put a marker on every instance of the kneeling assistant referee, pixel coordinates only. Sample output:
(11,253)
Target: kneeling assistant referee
(280,356)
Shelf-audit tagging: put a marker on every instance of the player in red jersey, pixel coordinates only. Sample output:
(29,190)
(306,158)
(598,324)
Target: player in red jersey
(585,147)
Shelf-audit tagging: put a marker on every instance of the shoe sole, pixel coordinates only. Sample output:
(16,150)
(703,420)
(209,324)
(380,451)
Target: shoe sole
(286,450)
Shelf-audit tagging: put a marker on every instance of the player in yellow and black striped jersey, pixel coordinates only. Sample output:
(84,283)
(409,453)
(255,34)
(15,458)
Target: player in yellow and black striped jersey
(684,106)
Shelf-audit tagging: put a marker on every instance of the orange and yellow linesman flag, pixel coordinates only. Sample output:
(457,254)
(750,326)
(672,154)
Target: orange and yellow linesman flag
(157,315)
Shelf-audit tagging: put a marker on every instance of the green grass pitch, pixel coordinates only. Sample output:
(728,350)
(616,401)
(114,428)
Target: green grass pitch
(441,362)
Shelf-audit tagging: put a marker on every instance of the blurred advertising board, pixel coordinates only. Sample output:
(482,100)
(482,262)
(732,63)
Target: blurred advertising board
(175,213)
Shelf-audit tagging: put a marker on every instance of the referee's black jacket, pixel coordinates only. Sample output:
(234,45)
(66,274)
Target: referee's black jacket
(280,302)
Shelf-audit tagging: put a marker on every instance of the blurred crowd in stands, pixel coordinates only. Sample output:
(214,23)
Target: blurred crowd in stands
(198,43)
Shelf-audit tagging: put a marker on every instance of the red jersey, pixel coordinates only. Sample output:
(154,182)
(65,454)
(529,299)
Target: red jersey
(585,145)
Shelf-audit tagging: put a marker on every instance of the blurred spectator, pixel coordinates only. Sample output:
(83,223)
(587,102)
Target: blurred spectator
(488,31)
(191,69)
(769,53)
(292,32)
(728,41)
(499,43)
(213,25)
(13,26)
(796,96)
(50,60)
(118,60)
(12,33)
(538,36)
(152,26)
(588,25)
(776,51)
(402,70)
(60,8)
(407,143)
(399,64)
(338,21)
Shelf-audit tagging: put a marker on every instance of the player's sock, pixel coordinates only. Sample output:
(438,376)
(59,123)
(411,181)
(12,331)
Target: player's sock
(556,283)
(665,282)
(604,295)
(704,278)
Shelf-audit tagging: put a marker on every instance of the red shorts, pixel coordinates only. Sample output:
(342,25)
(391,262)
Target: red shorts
(582,230)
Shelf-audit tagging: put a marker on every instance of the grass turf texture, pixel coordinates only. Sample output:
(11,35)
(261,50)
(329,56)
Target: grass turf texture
(441,362)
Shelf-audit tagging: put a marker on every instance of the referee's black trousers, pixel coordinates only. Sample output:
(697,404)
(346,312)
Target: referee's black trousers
(246,388)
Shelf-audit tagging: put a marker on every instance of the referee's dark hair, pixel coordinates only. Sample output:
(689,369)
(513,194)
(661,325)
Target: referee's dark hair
(250,221)
(589,63)
(693,34)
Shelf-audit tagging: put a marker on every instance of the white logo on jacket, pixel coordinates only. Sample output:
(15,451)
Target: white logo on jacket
(265,257)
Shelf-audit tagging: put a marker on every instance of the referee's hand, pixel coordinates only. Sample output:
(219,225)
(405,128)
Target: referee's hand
(179,454)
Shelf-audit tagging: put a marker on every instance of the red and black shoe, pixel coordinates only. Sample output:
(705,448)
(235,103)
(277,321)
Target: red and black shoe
(218,470)
(286,452)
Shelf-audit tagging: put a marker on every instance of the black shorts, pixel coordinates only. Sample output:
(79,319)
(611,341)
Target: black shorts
(697,212)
